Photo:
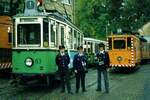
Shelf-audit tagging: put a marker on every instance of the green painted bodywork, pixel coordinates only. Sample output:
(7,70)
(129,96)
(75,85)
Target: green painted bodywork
(44,62)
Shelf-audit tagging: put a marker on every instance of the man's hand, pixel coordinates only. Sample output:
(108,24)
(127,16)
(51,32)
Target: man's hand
(75,71)
(108,69)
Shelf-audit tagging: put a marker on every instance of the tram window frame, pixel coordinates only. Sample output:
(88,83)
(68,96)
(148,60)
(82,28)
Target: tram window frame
(25,38)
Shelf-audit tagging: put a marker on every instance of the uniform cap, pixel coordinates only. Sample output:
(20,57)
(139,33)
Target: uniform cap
(79,47)
(101,45)
(61,47)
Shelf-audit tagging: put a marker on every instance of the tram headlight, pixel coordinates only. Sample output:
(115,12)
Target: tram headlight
(119,58)
(29,62)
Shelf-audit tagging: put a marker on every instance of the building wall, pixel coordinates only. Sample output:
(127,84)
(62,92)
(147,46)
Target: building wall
(61,7)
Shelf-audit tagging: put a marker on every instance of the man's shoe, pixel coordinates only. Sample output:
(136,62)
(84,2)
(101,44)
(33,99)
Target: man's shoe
(106,91)
(98,90)
(77,91)
(84,90)
(62,91)
(70,92)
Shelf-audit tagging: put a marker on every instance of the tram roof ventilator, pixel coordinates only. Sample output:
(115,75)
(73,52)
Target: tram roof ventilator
(31,8)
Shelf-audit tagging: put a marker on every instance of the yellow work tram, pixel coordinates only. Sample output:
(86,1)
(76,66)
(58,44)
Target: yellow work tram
(127,50)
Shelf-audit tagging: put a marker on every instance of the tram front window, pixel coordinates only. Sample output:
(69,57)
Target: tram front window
(28,34)
(119,44)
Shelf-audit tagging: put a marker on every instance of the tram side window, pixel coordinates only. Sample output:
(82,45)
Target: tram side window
(96,47)
(57,36)
(62,35)
(79,42)
(110,43)
(28,34)
(82,39)
(10,37)
(89,47)
(70,38)
(53,31)
(85,46)
(129,42)
(45,34)
(75,40)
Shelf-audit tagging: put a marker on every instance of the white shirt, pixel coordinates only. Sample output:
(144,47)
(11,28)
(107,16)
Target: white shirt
(102,52)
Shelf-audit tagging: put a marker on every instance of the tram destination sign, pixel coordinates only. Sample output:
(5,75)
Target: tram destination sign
(28,19)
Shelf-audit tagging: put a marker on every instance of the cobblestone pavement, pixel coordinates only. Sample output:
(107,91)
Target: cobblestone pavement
(123,86)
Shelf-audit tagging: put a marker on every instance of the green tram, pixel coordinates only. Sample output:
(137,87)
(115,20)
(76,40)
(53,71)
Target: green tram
(37,38)
(91,48)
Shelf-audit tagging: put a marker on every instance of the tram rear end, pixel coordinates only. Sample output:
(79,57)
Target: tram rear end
(124,51)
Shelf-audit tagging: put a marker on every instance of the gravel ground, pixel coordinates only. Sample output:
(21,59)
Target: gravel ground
(123,86)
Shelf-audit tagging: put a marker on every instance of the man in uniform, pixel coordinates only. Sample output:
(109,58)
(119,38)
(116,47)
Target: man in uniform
(80,68)
(62,61)
(102,63)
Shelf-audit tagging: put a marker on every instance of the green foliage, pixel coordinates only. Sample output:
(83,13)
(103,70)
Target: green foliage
(99,17)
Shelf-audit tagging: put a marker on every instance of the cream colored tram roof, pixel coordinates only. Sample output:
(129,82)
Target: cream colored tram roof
(93,40)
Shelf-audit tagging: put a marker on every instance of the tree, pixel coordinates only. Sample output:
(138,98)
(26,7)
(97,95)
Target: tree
(96,17)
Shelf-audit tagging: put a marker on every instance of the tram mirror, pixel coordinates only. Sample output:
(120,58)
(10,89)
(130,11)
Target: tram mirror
(52,22)
(54,28)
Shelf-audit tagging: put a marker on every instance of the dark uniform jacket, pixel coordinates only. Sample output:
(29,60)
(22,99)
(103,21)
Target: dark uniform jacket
(62,62)
(80,63)
(102,60)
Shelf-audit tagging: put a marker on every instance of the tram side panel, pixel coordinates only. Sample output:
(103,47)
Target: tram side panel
(145,52)
(43,62)
(5,42)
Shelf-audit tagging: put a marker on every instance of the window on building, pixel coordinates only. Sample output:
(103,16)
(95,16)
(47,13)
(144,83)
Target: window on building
(66,1)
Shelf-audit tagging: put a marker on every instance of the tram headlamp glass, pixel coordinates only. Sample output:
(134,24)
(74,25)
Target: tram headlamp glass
(119,58)
(29,62)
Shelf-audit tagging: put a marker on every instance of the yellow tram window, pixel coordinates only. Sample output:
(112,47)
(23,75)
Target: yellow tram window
(119,44)
(129,42)
(110,43)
